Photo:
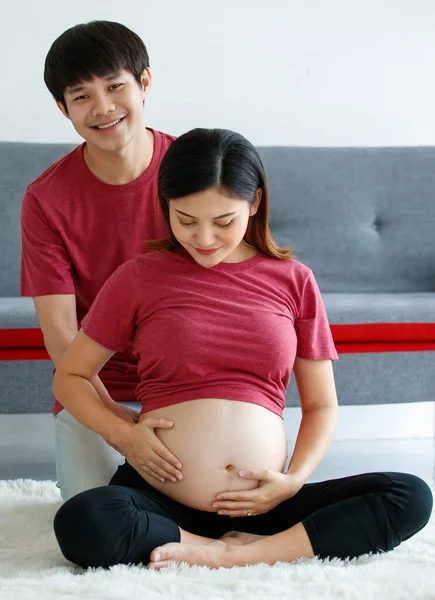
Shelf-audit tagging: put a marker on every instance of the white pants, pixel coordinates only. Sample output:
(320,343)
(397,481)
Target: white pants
(83,459)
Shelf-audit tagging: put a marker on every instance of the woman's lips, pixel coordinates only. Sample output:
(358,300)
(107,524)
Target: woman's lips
(206,252)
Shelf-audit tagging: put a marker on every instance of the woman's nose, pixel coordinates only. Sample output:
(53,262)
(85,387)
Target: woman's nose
(205,237)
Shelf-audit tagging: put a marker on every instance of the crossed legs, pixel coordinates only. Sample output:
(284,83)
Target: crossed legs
(339,518)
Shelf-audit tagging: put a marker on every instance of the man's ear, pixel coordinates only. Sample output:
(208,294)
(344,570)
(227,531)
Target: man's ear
(254,207)
(62,108)
(145,79)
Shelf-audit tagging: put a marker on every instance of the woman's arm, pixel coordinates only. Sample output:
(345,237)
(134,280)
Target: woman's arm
(318,397)
(73,387)
(315,381)
(58,322)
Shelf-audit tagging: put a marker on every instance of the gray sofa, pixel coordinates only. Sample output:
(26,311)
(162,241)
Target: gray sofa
(362,218)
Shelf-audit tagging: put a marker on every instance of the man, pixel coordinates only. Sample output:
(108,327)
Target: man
(87,214)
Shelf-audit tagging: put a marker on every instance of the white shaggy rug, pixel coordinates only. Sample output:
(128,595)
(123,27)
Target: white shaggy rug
(32,567)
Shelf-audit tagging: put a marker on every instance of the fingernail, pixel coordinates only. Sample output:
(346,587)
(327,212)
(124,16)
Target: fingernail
(156,557)
(179,476)
(242,473)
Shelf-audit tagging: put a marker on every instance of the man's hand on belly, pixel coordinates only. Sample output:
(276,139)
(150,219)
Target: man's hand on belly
(274,488)
(148,455)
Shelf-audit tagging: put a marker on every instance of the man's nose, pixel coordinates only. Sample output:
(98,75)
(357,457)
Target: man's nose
(102,105)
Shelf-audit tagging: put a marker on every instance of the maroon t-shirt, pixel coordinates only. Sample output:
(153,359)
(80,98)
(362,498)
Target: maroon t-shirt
(231,331)
(77,230)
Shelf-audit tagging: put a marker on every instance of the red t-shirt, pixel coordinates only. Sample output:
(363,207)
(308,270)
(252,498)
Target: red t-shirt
(77,230)
(231,331)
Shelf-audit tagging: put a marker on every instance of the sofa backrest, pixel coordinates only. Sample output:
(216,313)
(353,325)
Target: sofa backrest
(362,218)
(20,163)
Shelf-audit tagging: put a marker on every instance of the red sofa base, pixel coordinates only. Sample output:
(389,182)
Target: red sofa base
(28,344)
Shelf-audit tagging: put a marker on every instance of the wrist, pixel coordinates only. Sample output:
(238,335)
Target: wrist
(295,479)
(119,435)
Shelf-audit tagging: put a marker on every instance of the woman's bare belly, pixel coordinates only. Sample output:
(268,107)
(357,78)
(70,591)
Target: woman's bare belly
(214,439)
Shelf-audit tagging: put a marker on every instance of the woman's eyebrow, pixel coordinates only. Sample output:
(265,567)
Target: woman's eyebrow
(192,217)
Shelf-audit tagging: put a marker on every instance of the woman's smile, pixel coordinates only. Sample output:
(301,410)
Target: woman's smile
(206,252)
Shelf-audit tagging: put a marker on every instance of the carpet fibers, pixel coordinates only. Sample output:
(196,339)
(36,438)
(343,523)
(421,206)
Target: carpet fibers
(32,567)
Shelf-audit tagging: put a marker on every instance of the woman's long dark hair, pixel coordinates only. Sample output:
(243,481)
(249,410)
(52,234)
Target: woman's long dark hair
(217,158)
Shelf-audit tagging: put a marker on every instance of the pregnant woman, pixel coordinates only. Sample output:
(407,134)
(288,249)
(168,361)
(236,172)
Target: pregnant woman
(219,316)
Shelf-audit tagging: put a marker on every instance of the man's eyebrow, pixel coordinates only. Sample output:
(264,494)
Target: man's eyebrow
(219,217)
(112,76)
(81,87)
(76,89)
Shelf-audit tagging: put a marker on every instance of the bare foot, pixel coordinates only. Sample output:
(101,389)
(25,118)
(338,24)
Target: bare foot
(239,538)
(210,555)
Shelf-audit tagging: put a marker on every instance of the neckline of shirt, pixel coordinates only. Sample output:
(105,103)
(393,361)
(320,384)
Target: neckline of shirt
(122,189)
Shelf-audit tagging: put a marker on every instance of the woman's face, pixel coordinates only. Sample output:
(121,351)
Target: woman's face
(211,226)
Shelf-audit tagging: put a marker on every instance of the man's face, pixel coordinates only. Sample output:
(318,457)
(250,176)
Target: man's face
(108,111)
(211,226)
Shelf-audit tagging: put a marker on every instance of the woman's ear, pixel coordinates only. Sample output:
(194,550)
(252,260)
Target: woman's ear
(254,207)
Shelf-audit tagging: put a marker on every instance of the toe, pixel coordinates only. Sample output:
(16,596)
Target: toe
(166,552)
(155,555)
(158,565)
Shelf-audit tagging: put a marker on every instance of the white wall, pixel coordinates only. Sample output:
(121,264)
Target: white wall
(290,72)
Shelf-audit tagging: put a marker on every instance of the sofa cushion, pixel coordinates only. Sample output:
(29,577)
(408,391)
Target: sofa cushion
(17,313)
(381,317)
(20,336)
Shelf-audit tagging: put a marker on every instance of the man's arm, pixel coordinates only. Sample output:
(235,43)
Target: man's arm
(58,322)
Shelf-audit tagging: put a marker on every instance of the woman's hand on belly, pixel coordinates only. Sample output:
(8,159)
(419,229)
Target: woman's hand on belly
(273,488)
(148,455)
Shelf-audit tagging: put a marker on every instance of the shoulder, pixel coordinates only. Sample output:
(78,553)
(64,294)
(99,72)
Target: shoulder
(163,140)
(123,283)
(147,260)
(127,268)
(290,278)
(145,269)
(151,259)
(57,175)
(291,269)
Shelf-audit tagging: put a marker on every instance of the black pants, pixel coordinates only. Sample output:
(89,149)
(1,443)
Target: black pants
(124,521)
